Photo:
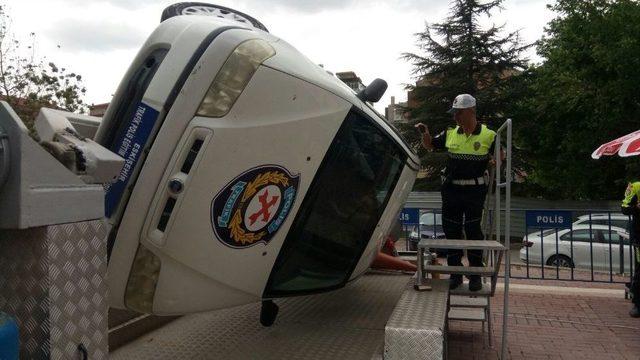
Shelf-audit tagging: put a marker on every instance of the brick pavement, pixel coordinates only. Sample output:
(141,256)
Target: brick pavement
(548,326)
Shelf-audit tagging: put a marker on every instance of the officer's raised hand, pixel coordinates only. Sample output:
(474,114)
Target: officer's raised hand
(426,136)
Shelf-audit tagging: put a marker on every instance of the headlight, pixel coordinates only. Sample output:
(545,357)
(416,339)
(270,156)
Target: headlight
(234,76)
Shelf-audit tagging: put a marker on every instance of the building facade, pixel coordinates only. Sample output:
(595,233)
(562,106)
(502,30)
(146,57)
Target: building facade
(352,80)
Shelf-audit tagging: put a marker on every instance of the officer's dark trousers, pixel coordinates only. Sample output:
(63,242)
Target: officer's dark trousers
(462,208)
(635,282)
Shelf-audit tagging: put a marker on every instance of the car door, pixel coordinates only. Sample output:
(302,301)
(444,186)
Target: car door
(618,252)
(582,247)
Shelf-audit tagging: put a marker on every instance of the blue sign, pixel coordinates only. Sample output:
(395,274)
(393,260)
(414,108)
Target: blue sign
(549,219)
(129,146)
(409,216)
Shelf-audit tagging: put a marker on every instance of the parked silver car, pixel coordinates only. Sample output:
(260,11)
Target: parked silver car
(616,219)
(575,246)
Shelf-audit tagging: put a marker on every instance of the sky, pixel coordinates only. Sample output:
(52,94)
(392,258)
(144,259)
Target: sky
(99,38)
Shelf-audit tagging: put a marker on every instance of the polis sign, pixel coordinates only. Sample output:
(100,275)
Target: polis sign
(549,219)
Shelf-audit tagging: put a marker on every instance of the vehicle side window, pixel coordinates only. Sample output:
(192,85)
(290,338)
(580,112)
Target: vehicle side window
(615,238)
(600,222)
(612,237)
(623,224)
(578,236)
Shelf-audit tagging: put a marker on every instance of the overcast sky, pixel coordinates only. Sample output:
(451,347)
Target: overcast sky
(99,38)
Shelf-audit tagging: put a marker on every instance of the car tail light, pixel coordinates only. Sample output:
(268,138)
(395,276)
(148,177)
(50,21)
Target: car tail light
(234,76)
(526,243)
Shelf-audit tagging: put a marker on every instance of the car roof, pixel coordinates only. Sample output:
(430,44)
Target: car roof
(603,215)
(597,227)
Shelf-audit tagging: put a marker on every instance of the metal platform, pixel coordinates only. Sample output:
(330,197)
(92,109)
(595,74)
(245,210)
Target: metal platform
(345,324)
(468,302)
(460,244)
(467,314)
(466,270)
(417,327)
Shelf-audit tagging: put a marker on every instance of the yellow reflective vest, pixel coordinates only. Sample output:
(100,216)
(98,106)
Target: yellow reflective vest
(477,144)
(633,190)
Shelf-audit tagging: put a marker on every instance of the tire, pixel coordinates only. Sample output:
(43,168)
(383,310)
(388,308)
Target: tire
(198,8)
(562,260)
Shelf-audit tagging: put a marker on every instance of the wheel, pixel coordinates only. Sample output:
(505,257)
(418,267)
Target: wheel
(560,260)
(198,8)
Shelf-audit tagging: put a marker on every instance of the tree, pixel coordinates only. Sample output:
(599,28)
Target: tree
(587,92)
(28,82)
(461,57)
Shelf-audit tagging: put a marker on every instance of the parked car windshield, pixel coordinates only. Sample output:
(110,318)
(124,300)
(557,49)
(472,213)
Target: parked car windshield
(340,211)
(431,219)
(544,233)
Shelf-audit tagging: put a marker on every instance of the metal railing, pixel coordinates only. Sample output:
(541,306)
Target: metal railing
(594,247)
(590,246)
(499,185)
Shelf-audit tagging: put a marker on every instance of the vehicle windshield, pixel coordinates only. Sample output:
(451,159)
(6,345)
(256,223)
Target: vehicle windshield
(544,232)
(392,126)
(431,219)
(340,211)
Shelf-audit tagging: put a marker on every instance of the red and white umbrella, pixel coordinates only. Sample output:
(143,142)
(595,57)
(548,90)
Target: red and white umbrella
(628,145)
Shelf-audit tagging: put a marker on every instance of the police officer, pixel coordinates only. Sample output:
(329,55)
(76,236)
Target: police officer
(464,187)
(631,206)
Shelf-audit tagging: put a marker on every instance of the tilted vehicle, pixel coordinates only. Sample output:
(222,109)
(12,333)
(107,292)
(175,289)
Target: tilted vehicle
(251,173)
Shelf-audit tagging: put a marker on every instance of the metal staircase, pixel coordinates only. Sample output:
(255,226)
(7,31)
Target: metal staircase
(464,304)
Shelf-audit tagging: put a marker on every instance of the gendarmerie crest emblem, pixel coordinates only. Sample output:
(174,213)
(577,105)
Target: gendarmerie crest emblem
(252,207)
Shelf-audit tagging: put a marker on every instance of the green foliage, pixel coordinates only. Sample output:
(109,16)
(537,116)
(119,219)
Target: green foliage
(28,83)
(461,57)
(587,92)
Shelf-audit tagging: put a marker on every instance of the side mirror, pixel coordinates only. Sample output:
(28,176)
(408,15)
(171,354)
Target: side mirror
(373,92)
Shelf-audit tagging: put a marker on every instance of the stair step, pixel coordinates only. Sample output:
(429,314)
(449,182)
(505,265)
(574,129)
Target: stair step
(461,270)
(464,290)
(467,314)
(460,244)
(468,302)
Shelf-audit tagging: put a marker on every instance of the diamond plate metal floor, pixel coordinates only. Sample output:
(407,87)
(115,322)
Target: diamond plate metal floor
(344,324)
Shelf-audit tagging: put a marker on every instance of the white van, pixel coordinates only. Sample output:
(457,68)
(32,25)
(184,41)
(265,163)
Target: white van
(250,172)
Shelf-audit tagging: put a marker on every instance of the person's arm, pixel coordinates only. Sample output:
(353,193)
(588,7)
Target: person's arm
(425,136)
(630,203)
(430,143)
